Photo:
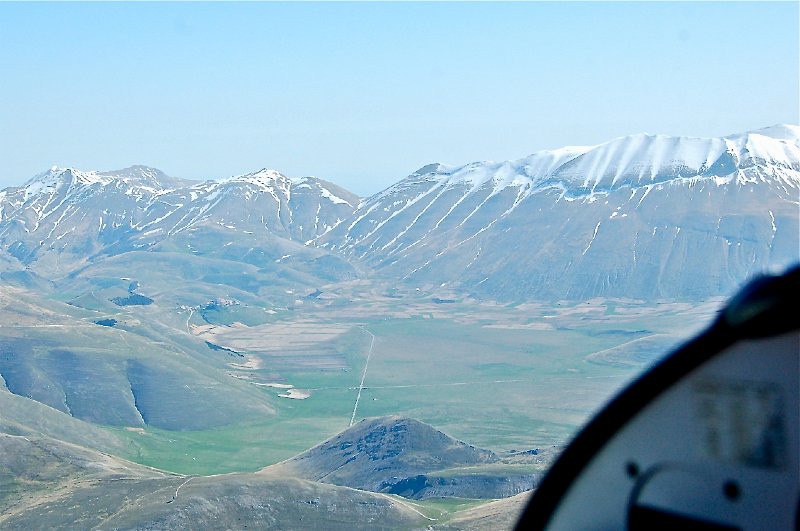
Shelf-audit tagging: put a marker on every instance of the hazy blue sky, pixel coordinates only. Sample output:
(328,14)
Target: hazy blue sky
(365,93)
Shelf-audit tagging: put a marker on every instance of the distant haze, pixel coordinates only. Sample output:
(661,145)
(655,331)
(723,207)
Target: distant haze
(363,94)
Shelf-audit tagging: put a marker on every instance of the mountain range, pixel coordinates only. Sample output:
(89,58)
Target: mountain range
(643,217)
(222,326)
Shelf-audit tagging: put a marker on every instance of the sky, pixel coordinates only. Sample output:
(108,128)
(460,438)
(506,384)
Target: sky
(362,94)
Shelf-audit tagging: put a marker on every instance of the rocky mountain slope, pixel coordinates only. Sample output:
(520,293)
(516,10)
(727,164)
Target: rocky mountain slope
(644,216)
(48,484)
(127,375)
(132,262)
(639,217)
(65,219)
(406,457)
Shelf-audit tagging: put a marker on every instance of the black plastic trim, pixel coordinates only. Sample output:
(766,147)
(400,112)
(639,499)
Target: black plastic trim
(642,518)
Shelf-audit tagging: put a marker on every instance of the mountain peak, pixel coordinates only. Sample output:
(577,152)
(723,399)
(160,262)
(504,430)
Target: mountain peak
(56,177)
(603,216)
(636,162)
(267,173)
(787,132)
(645,160)
(135,171)
(377,451)
(138,175)
(428,168)
(265,179)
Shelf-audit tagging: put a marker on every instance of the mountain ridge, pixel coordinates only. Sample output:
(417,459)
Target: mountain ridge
(432,227)
(64,219)
(443,225)
(408,457)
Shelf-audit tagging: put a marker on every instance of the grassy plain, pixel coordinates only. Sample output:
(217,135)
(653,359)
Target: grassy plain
(500,376)
(440,508)
(513,377)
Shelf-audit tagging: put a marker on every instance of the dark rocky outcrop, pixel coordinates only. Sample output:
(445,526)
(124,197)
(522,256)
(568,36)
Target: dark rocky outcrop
(406,457)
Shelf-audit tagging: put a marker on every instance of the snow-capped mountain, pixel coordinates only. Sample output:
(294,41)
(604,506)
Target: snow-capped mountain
(643,216)
(65,217)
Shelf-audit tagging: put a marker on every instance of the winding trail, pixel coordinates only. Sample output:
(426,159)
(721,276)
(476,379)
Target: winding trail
(188,327)
(175,497)
(363,375)
(406,505)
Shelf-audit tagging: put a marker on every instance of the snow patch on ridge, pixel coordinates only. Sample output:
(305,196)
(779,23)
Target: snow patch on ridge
(640,163)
